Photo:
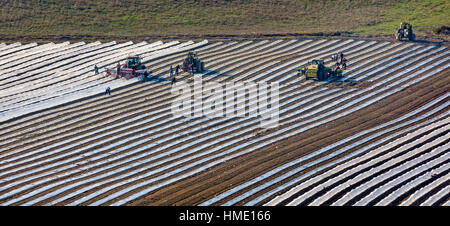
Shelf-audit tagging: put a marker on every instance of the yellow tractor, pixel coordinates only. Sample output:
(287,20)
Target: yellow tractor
(317,70)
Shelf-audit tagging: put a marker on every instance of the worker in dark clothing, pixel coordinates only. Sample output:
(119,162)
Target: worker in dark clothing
(173,80)
(344,63)
(177,69)
(96,69)
(171,71)
(334,57)
(341,55)
(118,68)
(108,91)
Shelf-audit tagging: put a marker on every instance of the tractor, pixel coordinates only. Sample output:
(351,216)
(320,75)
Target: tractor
(133,67)
(404,32)
(317,69)
(192,59)
(134,62)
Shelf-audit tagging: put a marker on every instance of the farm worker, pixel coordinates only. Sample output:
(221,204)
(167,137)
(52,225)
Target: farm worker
(108,91)
(190,69)
(177,69)
(96,69)
(337,67)
(341,55)
(171,71)
(403,25)
(173,80)
(344,63)
(118,68)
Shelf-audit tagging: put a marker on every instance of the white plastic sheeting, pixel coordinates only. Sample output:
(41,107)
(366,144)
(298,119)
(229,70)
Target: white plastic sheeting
(355,102)
(141,162)
(57,100)
(370,94)
(338,169)
(363,187)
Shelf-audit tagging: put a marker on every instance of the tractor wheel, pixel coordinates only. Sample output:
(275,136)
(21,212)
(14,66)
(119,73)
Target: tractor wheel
(202,67)
(320,75)
(325,75)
